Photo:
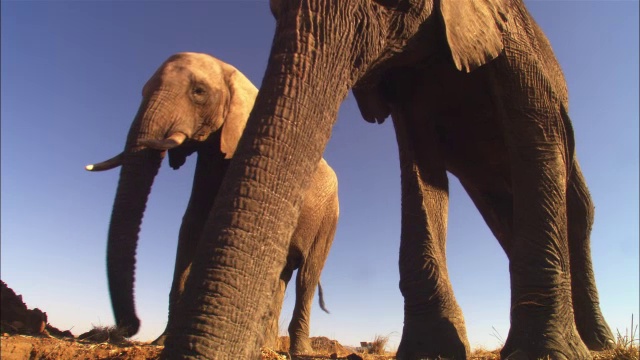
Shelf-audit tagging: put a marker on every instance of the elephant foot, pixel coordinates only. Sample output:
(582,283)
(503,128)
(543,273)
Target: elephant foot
(594,331)
(523,355)
(300,346)
(160,340)
(598,340)
(553,342)
(440,338)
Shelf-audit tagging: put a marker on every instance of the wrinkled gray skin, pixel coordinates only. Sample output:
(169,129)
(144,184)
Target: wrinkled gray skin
(196,103)
(473,89)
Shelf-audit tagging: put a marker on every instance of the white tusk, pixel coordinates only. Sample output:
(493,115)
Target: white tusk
(107,164)
(174,140)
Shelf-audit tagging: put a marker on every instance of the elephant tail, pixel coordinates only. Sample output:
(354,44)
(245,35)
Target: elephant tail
(321,299)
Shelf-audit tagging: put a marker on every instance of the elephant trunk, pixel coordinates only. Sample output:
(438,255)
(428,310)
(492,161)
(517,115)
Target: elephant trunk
(245,242)
(136,177)
(140,165)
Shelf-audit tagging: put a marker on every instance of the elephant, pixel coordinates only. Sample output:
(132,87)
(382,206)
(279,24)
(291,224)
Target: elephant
(473,89)
(197,103)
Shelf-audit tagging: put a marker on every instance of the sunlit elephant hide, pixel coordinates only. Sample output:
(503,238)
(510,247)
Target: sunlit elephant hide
(197,103)
(474,90)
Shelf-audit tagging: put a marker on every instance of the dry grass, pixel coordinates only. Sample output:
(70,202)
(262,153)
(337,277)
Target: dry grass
(483,354)
(626,346)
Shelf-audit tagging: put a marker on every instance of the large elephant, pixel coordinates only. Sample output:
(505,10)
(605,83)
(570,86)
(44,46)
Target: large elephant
(197,103)
(473,89)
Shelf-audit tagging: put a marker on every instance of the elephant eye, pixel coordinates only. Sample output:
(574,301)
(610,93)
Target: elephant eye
(199,91)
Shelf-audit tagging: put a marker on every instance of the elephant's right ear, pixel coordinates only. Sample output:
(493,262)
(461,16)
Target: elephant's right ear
(242,95)
(474,30)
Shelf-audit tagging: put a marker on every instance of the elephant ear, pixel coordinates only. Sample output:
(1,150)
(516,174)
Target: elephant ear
(242,96)
(474,30)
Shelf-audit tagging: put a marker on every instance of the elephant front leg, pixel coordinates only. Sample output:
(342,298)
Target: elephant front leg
(591,325)
(206,183)
(433,322)
(187,243)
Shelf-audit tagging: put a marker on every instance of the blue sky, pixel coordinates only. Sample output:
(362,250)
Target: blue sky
(72,73)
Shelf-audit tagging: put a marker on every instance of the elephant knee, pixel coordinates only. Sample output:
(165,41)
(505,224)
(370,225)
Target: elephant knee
(580,207)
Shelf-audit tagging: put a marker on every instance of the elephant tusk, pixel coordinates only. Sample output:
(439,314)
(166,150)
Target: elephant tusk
(107,164)
(174,140)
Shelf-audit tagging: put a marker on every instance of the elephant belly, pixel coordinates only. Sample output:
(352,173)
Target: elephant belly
(466,126)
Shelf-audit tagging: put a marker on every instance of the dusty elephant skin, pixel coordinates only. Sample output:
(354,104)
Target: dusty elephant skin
(196,103)
(473,89)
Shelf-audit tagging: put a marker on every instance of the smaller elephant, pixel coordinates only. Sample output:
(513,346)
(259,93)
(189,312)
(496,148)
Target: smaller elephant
(197,103)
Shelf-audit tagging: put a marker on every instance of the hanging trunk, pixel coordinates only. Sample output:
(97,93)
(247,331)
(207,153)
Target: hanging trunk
(136,177)
(246,239)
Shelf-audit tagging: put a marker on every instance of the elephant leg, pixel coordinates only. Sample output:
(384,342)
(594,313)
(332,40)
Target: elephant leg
(433,321)
(208,176)
(591,325)
(307,281)
(542,318)
(272,331)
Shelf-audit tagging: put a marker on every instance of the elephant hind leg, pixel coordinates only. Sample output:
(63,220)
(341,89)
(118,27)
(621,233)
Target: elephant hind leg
(272,331)
(593,329)
(308,278)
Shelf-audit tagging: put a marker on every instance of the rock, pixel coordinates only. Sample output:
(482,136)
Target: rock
(354,356)
(322,344)
(16,316)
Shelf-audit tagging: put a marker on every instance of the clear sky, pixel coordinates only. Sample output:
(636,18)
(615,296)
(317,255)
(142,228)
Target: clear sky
(72,73)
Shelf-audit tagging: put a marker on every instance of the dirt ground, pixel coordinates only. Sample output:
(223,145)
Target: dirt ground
(26,334)
(20,347)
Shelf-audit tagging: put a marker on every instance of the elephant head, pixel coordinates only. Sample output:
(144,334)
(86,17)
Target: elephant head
(189,98)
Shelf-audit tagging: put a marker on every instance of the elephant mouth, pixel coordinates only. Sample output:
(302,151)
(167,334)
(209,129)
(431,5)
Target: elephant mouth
(172,141)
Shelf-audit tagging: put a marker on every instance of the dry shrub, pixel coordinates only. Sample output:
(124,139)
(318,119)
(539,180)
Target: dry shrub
(105,334)
(483,354)
(378,344)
